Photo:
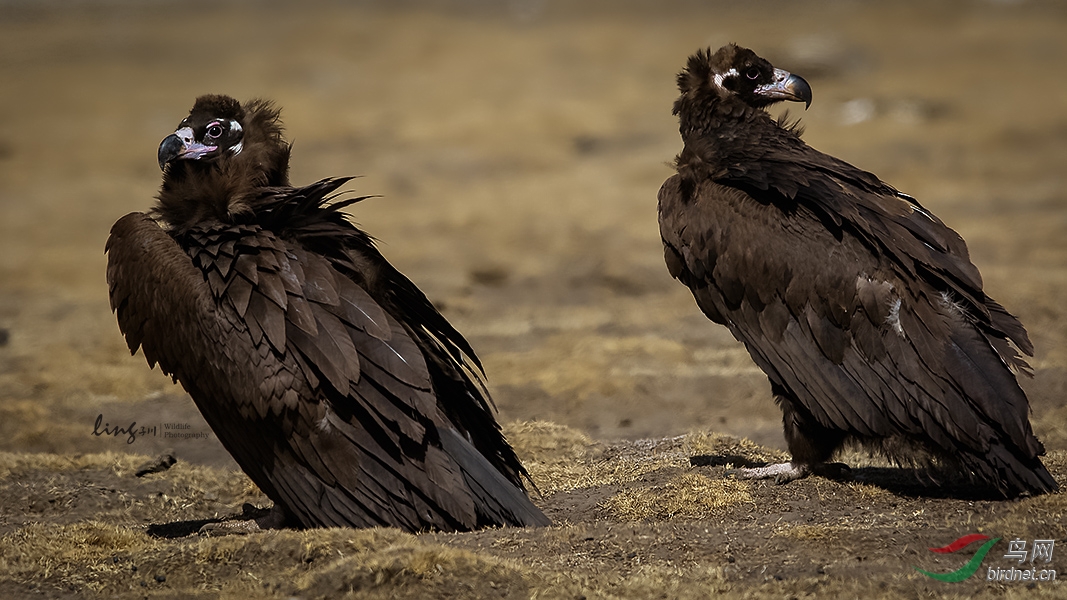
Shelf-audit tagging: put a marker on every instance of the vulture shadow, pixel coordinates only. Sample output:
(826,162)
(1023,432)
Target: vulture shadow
(715,460)
(178,529)
(900,481)
(925,483)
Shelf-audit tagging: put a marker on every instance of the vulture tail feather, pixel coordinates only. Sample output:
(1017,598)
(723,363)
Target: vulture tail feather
(497,500)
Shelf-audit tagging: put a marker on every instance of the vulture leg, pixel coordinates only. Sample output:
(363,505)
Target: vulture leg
(810,443)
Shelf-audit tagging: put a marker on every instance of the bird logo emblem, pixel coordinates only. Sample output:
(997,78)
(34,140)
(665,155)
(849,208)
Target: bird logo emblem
(971,566)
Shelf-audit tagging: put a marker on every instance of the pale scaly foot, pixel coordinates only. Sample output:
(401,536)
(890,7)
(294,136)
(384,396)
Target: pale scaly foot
(275,518)
(786,472)
(780,472)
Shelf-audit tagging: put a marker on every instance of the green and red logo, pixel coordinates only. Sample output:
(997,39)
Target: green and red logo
(971,566)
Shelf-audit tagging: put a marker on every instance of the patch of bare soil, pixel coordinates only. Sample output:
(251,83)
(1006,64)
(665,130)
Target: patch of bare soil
(518,148)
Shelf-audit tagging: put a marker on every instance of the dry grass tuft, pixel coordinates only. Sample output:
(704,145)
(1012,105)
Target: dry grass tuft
(556,456)
(559,458)
(78,554)
(710,443)
(687,496)
(13,464)
(414,569)
(547,442)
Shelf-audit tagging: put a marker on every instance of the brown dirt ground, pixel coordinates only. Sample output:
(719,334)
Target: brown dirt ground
(518,148)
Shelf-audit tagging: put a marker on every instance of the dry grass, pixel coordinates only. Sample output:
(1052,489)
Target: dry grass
(811,532)
(413,569)
(14,464)
(686,496)
(661,530)
(710,443)
(79,555)
(185,478)
(562,459)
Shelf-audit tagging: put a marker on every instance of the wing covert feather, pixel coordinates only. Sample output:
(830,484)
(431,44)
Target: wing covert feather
(149,274)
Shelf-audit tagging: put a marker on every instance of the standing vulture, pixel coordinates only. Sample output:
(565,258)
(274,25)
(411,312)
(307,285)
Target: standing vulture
(331,379)
(862,307)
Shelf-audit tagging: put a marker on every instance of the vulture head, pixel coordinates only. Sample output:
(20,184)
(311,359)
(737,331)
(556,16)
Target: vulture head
(732,80)
(212,129)
(217,156)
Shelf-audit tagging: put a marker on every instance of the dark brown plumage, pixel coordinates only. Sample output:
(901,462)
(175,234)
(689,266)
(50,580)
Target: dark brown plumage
(862,308)
(331,379)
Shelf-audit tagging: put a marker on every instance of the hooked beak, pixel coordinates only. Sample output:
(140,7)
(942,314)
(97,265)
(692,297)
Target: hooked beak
(181,144)
(786,86)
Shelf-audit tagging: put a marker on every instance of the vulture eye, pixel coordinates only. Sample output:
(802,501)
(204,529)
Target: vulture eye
(214,130)
(752,73)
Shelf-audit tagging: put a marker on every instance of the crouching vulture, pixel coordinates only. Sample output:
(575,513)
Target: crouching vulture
(331,379)
(861,306)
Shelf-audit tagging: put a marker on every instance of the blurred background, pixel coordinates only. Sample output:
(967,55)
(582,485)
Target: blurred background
(517,147)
